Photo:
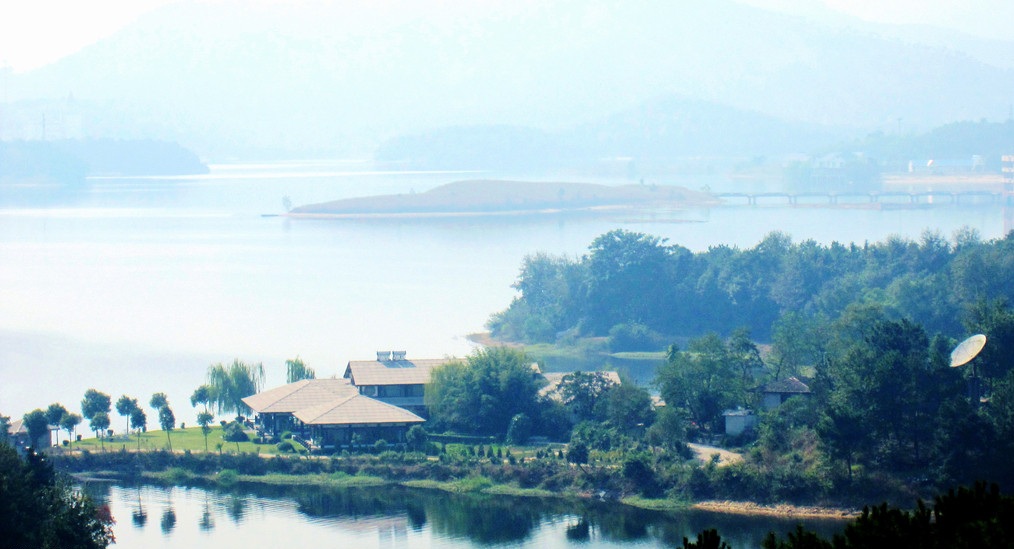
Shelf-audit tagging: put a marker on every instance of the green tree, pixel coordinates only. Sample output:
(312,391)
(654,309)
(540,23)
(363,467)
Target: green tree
(5,429)
(168,422)
(69,423)
(159,401)
(99,423)
(139,423)
(37,425)
(483,394)
(577,453)
(41,509)
(203,395)
(519,429)
(624,269)
(628,408)
(416,437)
(54,413)
(669,430)
(126,406)
(702,380)
(231,384)
(234,432)
(204,419)
(580,391)
(707,539)
(95,402)
(297,370)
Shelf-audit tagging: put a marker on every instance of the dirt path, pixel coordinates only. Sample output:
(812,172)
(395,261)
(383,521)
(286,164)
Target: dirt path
(704,453)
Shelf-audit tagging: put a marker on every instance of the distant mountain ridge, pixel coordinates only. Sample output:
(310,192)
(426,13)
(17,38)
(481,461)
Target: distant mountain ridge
(658,130)
(235,79)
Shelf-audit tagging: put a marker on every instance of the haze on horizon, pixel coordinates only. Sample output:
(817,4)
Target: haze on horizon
(331,79)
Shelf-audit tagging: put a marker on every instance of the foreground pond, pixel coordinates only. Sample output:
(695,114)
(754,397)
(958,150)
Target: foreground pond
(388,517)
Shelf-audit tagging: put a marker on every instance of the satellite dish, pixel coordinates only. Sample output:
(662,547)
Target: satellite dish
(967,350)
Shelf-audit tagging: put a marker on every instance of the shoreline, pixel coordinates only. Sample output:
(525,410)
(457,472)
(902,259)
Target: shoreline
(464,486)
(785,510)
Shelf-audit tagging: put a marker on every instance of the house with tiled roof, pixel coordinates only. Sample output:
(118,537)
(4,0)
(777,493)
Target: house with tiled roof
(334,424)
(275,408)
(377,399)
(777,392)
(394,379)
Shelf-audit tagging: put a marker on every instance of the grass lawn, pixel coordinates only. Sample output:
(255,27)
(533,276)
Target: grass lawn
(190,438)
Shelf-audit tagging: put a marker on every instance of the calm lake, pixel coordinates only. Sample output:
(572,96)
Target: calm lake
(134,286)
(389,517)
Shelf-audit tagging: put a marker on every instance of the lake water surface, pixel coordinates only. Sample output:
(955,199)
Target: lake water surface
(394,517)
(134,286)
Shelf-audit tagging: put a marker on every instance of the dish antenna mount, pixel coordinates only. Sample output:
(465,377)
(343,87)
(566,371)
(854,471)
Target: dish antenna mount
(967,350)
(963,354)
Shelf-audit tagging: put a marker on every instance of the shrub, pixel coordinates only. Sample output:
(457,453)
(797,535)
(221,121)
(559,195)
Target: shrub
(286,435)
(285,446)
(634,337)
(227,477)
(234,433)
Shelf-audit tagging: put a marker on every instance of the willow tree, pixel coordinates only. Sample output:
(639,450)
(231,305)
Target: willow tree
(297,370)
(230,384)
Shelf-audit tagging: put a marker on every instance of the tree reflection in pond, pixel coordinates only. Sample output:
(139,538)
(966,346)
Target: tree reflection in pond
(385,515)
(168,520)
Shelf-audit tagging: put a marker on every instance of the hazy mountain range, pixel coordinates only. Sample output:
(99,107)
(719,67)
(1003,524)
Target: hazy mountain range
(588,77)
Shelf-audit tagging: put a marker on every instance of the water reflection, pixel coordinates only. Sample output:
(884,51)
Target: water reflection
(402,517)
(168,521)
(207,519)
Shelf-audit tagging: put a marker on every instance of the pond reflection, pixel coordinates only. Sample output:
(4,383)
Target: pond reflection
(393,516)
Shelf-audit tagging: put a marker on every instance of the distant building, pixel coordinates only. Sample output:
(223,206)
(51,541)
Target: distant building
(375,399)
(777,392)
(739,421)
(394,379)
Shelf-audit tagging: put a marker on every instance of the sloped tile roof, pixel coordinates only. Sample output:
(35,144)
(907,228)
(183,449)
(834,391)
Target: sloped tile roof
(787,386)
(393,372)
(299,395)
(356,410)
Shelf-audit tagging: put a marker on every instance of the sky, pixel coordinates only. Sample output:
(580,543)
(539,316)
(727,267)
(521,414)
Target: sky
(36,33)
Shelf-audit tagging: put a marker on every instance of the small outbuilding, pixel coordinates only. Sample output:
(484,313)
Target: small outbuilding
(777,392)
(739,421)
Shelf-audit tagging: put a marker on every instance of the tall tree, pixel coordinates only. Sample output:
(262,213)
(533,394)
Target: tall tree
(37,425)
(40,508)
(99,424)
(125,406)
(204,419)
(5,429)
(69,423)
(481,395)
(138,422)
(158,401)
(232,383)
(203,395)
(703,380)
(297,370)
(95,402)
(167,420)
(54,413)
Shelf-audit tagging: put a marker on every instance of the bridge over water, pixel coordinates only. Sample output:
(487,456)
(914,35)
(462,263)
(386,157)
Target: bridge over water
(874,197)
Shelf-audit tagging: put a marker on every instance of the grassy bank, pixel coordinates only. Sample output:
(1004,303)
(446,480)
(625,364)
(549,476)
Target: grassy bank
(181,440)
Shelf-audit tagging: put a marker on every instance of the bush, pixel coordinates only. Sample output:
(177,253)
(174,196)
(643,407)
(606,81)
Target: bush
(285,446)
(286,435)
(234,433)
(227,477)
(634,337)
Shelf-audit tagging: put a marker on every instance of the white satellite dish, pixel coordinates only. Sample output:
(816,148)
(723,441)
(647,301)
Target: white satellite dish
(967,350)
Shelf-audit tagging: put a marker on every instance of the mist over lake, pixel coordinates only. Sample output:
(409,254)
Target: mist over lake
(134,286)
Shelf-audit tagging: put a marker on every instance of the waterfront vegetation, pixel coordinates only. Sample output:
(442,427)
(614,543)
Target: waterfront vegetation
(869,328)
